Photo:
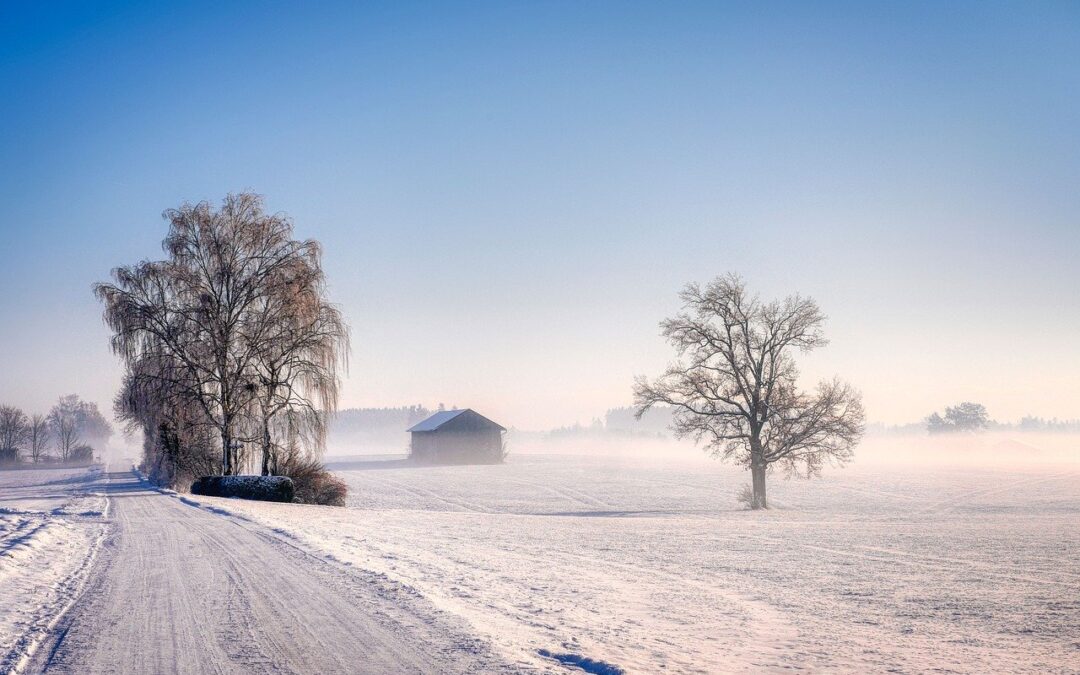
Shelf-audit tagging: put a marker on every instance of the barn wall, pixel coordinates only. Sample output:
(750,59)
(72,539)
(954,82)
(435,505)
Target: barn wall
(422,446)
(445,446)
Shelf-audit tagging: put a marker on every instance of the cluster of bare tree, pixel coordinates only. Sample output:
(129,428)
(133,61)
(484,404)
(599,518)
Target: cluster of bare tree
(1033,423)
(963,417)
(734,386)
(71,429)
(231,348)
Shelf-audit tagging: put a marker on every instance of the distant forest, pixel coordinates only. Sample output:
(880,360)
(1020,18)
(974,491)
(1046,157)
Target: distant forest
(383,429)
(655,423)
(376,429)
(1026,424)
(1040,424)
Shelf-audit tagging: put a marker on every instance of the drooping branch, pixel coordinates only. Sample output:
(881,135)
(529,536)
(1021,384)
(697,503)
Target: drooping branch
(234,323)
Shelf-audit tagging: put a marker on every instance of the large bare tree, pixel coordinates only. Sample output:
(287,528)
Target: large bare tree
(734,389)
(206,318)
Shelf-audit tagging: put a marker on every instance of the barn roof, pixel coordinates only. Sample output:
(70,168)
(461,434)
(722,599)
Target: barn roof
(435,421)
(443,416)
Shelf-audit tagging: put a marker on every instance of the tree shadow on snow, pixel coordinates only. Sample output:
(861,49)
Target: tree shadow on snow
(583,662)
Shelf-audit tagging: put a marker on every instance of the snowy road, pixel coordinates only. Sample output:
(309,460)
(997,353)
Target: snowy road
(176,588)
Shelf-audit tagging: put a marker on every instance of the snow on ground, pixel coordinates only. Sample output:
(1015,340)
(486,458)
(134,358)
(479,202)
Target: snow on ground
(49,528)
(650,565)
(184,590)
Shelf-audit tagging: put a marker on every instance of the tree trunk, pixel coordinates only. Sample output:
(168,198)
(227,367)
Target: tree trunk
(757,470)
(266,415)
(226,453)
(266,448)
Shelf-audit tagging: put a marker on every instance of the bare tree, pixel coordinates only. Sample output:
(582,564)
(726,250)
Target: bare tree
(297,365)
(177,441)
(64,426)
(73,421)
(13,433)
(93,427)
(734,386)
(963,417)
(38,437)
(208,316)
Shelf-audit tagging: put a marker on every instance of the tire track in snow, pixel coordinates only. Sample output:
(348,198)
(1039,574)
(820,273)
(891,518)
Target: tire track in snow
(199,590)
(71,589)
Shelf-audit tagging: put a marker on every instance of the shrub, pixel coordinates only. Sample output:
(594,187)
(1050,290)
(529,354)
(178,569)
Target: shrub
(82,454)
(314,484)
(9,456)
(745,496)
(174,460)
(262,488)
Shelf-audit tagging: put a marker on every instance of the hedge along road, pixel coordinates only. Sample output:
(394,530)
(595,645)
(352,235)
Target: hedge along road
(179,589)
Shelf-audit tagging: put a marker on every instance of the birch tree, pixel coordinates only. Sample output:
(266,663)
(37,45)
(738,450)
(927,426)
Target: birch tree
(178,443)
(202,322)
(298,358)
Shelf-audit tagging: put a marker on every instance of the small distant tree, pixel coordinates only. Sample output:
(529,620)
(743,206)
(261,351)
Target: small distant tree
(936,424)
(38,437)
(82,454)
(13,433)
(64,426)
(93,427)
(963,417)
(73,421)
(1027,423)
(734,387)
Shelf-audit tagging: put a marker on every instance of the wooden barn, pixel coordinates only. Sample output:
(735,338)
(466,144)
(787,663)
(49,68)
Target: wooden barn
(457,437)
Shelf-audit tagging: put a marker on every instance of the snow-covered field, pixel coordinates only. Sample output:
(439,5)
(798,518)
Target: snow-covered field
(649,564)
(50,525)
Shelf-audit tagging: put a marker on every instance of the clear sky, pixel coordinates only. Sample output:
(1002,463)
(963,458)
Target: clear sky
(511,195)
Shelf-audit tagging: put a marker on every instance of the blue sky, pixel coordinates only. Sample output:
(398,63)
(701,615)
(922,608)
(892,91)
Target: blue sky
(510,195)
